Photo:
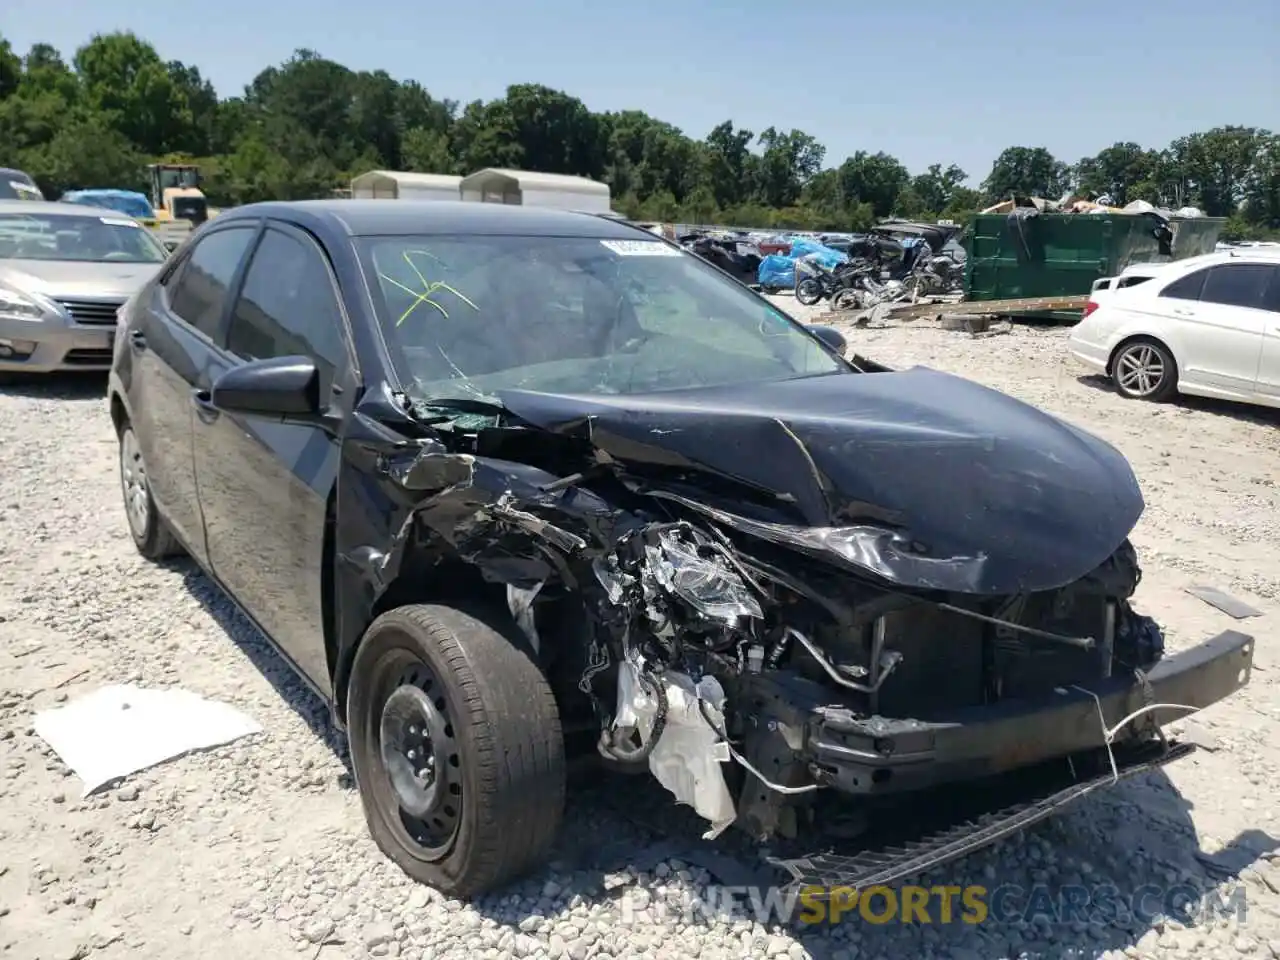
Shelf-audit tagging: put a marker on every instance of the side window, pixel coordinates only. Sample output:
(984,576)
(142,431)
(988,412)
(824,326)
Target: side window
(198,290)
(1188,287)
(1272,299)
(1237,284)
(287,306)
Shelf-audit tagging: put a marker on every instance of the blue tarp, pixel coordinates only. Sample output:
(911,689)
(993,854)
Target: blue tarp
(128,202)
(776,271)
(779,270)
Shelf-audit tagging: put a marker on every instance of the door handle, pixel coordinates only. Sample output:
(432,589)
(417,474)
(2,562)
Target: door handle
(138,339)
(202,400)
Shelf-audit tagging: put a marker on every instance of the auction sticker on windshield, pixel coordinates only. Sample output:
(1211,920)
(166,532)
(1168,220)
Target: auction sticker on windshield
(118,222)
(640,248)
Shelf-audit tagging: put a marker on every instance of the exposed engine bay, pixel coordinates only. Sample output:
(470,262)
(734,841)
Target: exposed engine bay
(703,624)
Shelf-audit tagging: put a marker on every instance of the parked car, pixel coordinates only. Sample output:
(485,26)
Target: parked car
(506,483)
(1207,326)
(16,185)
(1130,276)
(65,271)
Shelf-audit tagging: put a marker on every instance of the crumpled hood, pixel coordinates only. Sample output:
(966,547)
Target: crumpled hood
(919,477)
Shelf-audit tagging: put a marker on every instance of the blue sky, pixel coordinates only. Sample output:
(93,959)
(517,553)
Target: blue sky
(928,81)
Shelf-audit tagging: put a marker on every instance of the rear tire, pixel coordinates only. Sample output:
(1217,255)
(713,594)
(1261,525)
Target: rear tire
(1144,370)
(457,749)
(150,533)
(808,292)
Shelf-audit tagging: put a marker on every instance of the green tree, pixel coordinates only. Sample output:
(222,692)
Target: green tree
(1116,171)
(10,69)
(1025,172)
(936,187)
(873,178)
(125,81)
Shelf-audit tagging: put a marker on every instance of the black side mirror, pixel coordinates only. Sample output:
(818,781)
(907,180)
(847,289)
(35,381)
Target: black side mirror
(278,387)
(832,337)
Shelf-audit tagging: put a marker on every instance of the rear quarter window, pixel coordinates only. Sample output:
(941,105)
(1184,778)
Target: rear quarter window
(1188,287)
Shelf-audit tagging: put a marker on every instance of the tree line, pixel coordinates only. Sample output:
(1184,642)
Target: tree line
(304,128)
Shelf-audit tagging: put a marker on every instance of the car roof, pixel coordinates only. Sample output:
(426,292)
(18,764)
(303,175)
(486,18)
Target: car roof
(14,173)
(37,208)
(367,218)
(1247,254)
(1138,269)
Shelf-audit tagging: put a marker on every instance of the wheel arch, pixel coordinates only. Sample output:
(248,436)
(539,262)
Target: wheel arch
(453,583)
(119,412)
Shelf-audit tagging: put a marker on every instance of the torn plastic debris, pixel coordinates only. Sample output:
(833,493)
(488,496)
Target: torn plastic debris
(687,755)
(520,603)
(118,730)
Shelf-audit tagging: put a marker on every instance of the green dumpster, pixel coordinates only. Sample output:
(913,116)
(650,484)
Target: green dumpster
(1061,254)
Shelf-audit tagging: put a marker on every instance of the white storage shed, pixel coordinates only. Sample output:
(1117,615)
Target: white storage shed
(530,189)
(402,185)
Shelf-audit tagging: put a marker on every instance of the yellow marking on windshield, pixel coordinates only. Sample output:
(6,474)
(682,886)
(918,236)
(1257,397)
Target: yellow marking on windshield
(429,288)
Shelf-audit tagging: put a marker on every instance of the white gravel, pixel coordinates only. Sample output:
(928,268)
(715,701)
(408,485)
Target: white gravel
(259,849)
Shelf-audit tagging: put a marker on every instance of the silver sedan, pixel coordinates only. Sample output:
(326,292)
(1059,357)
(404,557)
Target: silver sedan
(65,270)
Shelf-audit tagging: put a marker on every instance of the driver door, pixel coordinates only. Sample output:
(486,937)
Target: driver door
(265,486)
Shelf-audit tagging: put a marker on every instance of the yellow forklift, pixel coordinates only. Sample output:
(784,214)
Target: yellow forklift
(176,195)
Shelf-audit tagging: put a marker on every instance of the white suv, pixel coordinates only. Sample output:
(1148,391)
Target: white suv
(1208,326)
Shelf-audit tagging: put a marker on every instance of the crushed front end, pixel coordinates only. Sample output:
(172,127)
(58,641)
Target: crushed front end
(779,693)
(813,604)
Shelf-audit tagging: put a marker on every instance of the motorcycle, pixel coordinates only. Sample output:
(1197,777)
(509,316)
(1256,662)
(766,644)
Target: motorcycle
(815,282)
(934,276)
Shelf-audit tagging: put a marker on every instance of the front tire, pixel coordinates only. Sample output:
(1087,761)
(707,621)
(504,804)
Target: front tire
(1144,370)
(151,535)
(457,749)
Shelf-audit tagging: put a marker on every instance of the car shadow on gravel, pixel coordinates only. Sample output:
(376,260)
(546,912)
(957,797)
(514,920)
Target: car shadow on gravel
(89,385)
(1245,412)
(626,846)
(266,660)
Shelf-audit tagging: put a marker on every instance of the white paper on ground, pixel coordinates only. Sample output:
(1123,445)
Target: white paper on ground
(119,730)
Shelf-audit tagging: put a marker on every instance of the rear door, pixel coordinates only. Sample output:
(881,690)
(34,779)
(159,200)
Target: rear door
(170,346)
(1219,321)
(1269,365)
(265,485)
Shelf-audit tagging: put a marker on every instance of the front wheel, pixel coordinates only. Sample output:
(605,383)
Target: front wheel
(1144,370)
(457,749)
(809,291)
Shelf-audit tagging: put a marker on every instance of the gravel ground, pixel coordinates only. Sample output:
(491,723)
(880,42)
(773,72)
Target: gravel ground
(260,847)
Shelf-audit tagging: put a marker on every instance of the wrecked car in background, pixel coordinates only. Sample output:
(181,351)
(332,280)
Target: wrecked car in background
(505,484)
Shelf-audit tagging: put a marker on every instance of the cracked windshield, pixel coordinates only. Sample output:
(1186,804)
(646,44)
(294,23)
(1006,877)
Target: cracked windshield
(474,315)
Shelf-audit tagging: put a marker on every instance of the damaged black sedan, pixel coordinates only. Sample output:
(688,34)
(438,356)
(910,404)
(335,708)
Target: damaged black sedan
(505,484)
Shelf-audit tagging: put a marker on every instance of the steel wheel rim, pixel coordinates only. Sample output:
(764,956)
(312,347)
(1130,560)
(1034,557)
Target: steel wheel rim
(1140,369)
(420,758)
(133,481)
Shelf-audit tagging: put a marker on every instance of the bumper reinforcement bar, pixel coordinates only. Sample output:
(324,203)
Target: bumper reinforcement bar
(887,864)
